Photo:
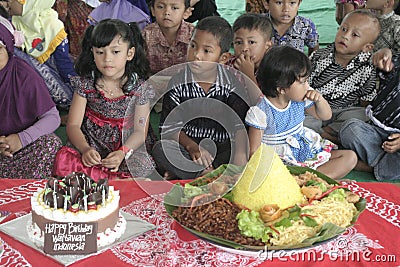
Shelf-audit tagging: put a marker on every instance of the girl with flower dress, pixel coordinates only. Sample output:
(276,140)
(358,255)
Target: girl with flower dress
(108,119)
(277,119)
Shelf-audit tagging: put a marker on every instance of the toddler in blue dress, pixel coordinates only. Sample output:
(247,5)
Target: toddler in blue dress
(277,119)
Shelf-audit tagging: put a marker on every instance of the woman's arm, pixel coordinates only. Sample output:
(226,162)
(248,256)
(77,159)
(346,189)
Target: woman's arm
(46,123)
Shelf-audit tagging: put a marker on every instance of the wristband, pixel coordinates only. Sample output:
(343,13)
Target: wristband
(127,151)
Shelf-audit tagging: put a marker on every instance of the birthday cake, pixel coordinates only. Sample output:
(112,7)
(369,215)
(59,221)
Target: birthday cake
(77,198)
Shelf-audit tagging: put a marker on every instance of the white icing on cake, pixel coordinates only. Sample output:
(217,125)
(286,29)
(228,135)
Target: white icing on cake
(104,238)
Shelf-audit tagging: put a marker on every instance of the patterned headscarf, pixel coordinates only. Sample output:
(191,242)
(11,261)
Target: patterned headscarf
(42,29)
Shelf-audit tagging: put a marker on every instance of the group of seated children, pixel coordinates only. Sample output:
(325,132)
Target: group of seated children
(218,108)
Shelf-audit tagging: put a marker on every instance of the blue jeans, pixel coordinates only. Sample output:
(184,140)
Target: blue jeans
(366,140)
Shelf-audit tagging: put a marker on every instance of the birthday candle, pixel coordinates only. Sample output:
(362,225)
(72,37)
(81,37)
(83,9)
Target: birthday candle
(55,200)
(85,202)
(103,197)
(65,202)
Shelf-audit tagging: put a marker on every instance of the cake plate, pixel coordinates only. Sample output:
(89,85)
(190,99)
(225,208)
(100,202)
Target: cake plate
(17,229)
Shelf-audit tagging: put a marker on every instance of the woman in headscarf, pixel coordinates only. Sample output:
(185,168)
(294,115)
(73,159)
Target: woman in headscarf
(46,45)
(28,115)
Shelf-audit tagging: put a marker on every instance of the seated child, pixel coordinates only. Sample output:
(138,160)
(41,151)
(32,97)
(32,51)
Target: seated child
(390,24)
(112,67)
(167,39)
(28,115)
(343,74)
(197,122)
(251,40)
(290,28)
(377,142)
(45,40)
(277,119)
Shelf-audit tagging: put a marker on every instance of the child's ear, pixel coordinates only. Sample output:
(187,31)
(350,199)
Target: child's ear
(152,11)
(188,12)
(224,57)
(268,45)
(368,47)
(131,53)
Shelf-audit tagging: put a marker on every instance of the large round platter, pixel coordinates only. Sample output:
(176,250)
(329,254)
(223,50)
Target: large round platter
(322,237)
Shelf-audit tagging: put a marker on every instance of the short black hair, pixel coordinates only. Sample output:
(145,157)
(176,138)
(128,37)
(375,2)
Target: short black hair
(252,21)
(220,28)
(280,68)
(187,3)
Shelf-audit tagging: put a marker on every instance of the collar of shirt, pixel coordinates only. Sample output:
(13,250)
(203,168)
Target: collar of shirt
(361,58)
(385,16)
(291,29)
(181,37)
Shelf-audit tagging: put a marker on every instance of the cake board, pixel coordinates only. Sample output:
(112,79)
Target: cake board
(17,229)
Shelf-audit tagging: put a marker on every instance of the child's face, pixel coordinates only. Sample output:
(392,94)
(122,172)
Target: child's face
(283,11)
(3,57)
(251,43)
(356,34)
(204,46)
(297,91)
(111,60)
(169,13)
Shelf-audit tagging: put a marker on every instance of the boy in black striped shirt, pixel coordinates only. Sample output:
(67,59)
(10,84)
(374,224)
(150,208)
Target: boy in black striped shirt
(203,111)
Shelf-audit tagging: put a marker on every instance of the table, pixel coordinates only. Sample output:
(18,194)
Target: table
(371,242)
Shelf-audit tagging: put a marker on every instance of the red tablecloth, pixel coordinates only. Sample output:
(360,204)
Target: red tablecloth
(371,242)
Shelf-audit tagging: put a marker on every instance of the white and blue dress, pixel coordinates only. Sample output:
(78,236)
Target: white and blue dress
(283,129)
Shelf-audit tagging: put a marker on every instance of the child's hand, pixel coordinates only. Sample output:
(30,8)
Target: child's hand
(245,64)
(201,156)
(9,145)
(313,95)
(113,160)
(382,59)
(393,143)
(91,157)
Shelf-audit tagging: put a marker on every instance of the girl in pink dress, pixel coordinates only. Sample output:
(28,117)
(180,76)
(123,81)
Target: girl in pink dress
(108,119)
